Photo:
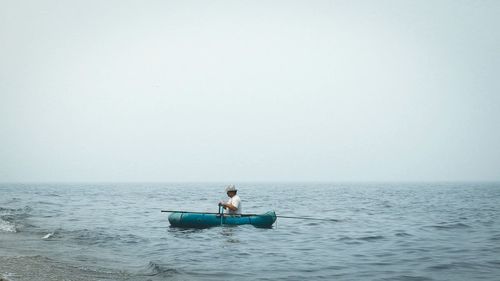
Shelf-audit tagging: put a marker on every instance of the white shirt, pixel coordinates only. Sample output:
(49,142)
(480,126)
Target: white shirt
(236,202)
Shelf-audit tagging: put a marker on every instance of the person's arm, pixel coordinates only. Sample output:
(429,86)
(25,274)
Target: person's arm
(229,206)
(234,205)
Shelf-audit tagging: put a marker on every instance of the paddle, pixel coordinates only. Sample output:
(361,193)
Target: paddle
(243,215)
(307,218)
(248,215)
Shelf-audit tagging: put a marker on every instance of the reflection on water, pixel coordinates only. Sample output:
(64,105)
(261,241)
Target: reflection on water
(228,232)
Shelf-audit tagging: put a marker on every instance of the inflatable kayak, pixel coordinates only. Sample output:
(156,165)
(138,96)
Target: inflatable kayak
(203,220)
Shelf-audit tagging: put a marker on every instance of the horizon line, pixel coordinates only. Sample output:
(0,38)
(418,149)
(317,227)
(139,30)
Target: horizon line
(249,181)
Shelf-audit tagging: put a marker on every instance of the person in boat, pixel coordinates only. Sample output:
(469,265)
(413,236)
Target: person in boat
(233,205)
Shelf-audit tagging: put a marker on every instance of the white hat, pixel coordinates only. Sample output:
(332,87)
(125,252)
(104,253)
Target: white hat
(230,187)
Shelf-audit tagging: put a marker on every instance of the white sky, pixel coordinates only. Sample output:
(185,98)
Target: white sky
(249,90)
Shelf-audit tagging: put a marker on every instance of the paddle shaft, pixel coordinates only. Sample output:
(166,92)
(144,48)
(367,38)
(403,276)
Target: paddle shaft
(306,218)
(243,215)
(247,215)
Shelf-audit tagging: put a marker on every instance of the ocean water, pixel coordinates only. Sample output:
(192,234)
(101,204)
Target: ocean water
(407,231)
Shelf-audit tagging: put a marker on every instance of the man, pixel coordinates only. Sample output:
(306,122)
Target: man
(233,205)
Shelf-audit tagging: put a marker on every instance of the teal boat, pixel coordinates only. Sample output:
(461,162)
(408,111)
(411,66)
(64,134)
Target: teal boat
(204,220)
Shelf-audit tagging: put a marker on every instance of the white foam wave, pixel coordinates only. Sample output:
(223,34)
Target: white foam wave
(6,226)
(3,277)
(48,236)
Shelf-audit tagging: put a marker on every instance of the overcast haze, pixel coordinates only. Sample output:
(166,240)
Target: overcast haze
(249,90)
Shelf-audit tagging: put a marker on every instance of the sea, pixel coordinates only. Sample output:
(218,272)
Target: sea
(382,231)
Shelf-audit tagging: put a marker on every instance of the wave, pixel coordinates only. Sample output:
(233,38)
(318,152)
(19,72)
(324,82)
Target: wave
(450,225)
(10,214)
(25,209)
(410,278)
(155,268)
(371,238)
(10,218)
(4,277)
(402,234)
(452,265)
(13,200)
(98,236)
(64,270)
(44,268)
(48,235)
(495,237)
(6,226)
(363,238)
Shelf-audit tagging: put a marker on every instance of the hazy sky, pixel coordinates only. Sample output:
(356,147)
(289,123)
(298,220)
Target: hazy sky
(249,90)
